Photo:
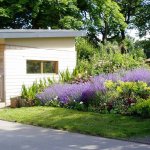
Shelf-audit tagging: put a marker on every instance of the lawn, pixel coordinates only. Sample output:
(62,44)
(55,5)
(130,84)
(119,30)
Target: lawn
(106,125)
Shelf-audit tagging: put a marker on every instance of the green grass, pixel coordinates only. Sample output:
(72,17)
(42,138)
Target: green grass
(107,125)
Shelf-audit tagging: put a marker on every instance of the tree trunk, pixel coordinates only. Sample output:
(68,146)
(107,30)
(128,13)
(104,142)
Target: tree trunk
(104,38)
(123,34)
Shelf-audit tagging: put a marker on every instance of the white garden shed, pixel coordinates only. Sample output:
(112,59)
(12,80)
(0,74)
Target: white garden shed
(29,55)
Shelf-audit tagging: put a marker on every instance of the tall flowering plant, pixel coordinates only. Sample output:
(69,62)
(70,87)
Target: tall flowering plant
(85,91)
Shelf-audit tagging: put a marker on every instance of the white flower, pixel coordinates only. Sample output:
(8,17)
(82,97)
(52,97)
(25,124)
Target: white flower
(81,102)
(56,98)
(132,104)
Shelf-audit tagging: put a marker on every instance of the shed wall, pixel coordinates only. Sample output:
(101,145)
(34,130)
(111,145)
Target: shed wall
(61,50)
(45,43)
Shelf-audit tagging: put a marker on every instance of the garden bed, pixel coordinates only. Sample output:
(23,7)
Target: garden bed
(125,92)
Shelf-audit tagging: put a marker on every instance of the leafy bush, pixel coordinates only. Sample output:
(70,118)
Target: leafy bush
(112,60)
(29,93)
(85,50)
(71,77)
(117,61)
(66,76)
(76,105)
(109,58)
(54,102)
(126,94)
(141,109)
(144,44)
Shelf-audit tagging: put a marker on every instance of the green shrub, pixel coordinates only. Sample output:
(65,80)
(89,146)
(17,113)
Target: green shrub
(85,50)
(109,58)
(65,76)
(79,75)
(122,95)
(29,92)
(141,109)
(75,105)
(145,45)
(53,103)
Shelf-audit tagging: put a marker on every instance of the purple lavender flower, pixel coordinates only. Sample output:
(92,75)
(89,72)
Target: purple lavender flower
(66,92)
(87,96)
(84,91)
(140,74)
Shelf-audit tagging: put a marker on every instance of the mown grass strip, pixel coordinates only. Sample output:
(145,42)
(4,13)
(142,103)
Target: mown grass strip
(106,125)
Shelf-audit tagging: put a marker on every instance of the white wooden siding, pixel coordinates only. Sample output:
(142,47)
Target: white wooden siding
(45,43)
(15,63)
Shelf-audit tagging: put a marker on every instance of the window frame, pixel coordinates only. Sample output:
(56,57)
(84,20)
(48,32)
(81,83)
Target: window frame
(42,66)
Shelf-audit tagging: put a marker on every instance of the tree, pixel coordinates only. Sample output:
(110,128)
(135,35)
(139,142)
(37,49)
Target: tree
(136,14)
(19,13)
(102,17)
(108,18)
(142,20)
(40,14)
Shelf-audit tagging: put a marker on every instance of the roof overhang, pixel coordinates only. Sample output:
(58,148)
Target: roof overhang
(31,33)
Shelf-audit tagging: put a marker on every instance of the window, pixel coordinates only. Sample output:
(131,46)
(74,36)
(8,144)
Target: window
(40,66)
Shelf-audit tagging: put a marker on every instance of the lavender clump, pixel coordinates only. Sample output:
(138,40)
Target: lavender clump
(66,92)
(84,91)
(140,74)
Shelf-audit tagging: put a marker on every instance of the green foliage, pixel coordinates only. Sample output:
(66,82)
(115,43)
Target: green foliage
(29,92)
(108,58)
(85,50)
(144,44)
(123,95)
(53,103)
(76,76)
(142,18)
(141,109)
(116,61)
(75,105)
(106,17)
(129,89)
(109,18)
(133,48)
(84,67)
(69,22)
(136,14)
(66,76)
(40,14)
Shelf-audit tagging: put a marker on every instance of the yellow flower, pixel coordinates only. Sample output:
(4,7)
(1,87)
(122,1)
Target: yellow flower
(109,83)
(119,89)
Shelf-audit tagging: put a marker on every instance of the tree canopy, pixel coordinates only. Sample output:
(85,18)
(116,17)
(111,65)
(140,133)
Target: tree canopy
(109,18)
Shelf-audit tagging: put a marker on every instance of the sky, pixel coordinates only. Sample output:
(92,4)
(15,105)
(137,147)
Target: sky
(134,33)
